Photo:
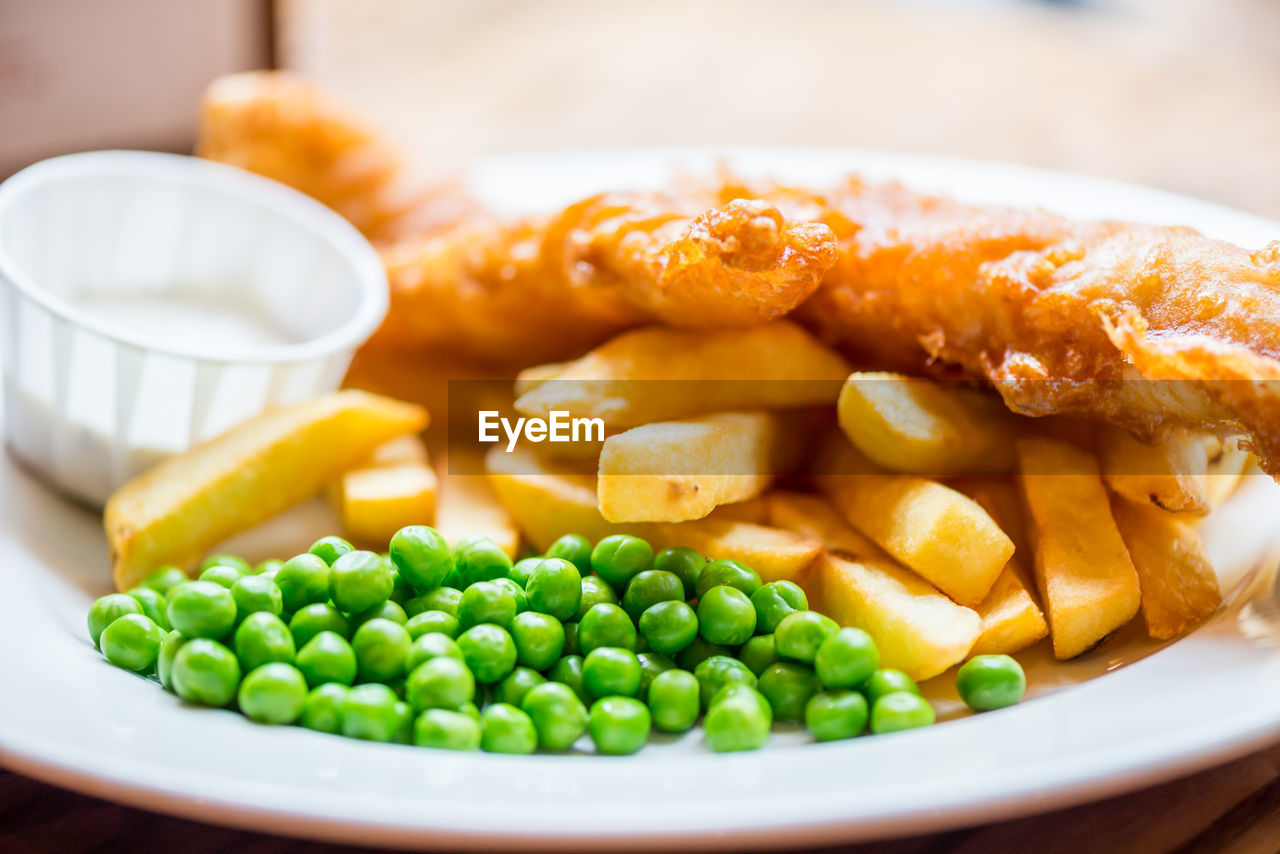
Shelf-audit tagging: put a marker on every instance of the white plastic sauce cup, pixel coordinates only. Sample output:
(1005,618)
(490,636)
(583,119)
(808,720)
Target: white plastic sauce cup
(151,301)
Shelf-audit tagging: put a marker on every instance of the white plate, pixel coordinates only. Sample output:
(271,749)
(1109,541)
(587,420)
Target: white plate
(68,717)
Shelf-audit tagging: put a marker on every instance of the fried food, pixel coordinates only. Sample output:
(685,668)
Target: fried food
(276,124)
(1179,586)
(916,628)
(660,374)
(673,471)
(1087,581)
(467,505)
(178,510)
(1171,473)
(395,487)
(546,288)
(1145,327)
(946,537)
(920,426)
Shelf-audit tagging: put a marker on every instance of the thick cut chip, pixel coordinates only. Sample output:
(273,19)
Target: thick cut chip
(467,505)
(549,498)
(943,535)
(661,374)
(1171,473)
(1179,586)
(377,501)
(1087,581)
(673,471)
(916,628)
(189,503)
(920,426)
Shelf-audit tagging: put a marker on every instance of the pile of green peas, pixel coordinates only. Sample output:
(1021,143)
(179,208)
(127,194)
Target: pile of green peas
(459,648)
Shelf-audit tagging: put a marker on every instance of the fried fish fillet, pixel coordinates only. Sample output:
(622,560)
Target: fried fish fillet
(1145,327)
(278,125)
(532,290)
(543,289)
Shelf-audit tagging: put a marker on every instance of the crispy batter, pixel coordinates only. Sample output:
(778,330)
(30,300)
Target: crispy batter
(1146,327)
(278,125)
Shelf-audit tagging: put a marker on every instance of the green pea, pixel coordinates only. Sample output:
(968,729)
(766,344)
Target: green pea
(726,616)
(205,672)
(788,686)
(327,657)
(515,685)
(486,602)
(595,591)
(322,710)
(388,610)
(539,639)
(359,580)
(165,579)
(268,567)
(432,645)
(651,664)
(846,659)
(132,642)
(650,587)
(884,682)
(422,557)
(426,622)
(606,625)
(739,719)
(758,653)
(370,713)
(454,580)
(572,646)
(775,600)
(202,609)
(445,599)
(489,651)
(169,647)
(480,559)
(253,593)
(506,729)
(988,682)
(619,558)
(686,564)
(729,573)
(558,715)
(669,626)
(674,700)
(329,549)
(234,561)
(153,605)
(261,639)
(610,671)
(106,610)
(698,650)
(717,671)
(273,694)
(574,548)
(517,591)
(404,723)
(315,618)
(833,715)
(303,580)
(900,710)
(568,671)
(523,570)
(799,635)
(619,726)
(555,588)
(382,649)
(222,574)
(401,592)
(442,682)
(446,730)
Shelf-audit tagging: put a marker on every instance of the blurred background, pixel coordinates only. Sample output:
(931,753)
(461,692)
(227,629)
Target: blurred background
(1179,94)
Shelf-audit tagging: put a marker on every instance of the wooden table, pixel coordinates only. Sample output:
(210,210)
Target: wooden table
(1234,809)
(1179,94)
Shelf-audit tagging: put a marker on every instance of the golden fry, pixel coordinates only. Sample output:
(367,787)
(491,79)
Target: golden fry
(1171,473)
(469,507)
